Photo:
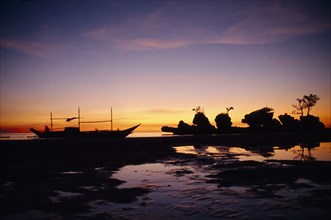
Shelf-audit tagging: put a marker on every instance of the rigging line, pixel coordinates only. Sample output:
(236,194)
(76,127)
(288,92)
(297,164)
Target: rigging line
(72,118)
(95,121)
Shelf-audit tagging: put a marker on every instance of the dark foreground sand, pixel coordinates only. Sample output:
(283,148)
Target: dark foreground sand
(34,172)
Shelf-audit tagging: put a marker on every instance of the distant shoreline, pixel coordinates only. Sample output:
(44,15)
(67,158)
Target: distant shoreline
(263,139)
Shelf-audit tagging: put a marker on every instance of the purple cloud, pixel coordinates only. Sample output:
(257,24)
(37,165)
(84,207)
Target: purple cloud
(38,49)
(167,27)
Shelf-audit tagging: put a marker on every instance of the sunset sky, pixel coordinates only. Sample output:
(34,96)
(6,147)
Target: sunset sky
(153,61)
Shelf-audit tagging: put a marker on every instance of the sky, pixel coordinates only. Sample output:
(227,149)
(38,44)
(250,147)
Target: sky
(152,62)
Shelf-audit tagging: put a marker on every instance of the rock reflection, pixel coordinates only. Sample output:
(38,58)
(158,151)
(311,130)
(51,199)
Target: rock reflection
(303,152)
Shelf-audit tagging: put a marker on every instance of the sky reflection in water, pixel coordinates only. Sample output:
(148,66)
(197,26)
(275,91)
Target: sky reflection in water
(317,151)
(176,192)
(181,188)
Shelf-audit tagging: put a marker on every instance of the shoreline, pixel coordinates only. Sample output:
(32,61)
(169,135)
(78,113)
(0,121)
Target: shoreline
(281,138)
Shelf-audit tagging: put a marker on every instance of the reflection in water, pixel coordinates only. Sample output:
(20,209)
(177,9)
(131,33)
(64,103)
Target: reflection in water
(308,152)
(176,191)
(188,190)
(186,150)
(304,152)
(301,155)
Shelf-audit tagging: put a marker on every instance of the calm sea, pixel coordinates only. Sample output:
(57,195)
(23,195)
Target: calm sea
(29,135)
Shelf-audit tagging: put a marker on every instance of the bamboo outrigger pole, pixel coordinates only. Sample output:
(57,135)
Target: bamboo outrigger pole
(51,122)
(111,118)
(78,118)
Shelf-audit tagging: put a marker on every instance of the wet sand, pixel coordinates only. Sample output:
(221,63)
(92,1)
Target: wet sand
(60,179)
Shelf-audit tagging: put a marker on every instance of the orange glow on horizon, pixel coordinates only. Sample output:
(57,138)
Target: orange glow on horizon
(150,120)
(146,125)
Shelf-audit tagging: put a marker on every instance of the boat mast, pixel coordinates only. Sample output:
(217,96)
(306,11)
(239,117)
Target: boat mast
(51,122)
(78,118)
(111,118)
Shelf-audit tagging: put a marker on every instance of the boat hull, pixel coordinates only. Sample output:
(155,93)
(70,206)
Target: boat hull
(75,133)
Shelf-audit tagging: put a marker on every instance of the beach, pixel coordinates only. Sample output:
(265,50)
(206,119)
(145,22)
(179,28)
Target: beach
(171,177)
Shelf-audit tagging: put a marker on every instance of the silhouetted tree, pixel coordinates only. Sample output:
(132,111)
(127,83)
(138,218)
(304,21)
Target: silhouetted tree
(198,110)
(299,107)
(261,118)
(310,101)
(307,102)
(289,122)
(229,109)
(308,122)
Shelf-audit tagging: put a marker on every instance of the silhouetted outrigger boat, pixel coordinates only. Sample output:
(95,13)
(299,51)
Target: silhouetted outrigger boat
(75,132)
